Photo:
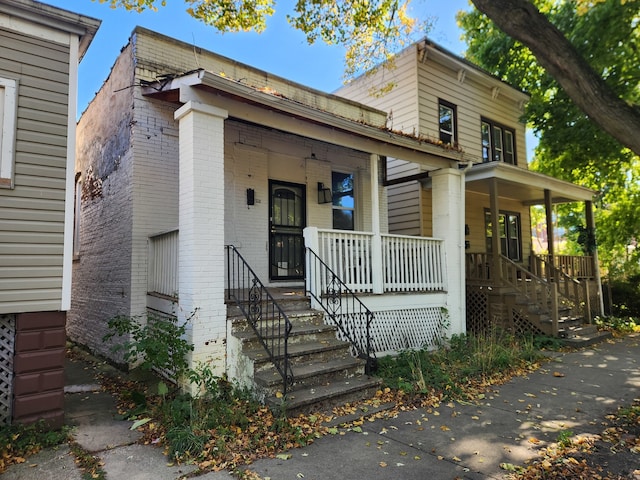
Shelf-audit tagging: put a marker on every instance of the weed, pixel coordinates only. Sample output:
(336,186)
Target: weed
(157,342)
(448,369)
(621,325)
(19,441)
(564,438)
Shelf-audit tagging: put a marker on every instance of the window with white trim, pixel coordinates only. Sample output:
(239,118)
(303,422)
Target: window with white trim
(498,142)
(343,201)
(8,113)
(447,122)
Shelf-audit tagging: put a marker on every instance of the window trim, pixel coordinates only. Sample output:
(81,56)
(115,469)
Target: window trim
(454,122)
(77,212)
(492,142)
(506,214)
(337,207)
(8,123)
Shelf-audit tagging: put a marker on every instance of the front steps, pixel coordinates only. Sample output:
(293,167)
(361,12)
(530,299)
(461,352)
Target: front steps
(325,373)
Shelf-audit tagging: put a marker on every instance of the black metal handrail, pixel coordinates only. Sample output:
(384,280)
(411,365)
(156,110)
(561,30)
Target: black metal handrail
(269,322)
(345,310)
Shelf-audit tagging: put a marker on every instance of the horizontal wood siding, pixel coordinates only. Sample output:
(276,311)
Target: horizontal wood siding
(32,214)
(473,100)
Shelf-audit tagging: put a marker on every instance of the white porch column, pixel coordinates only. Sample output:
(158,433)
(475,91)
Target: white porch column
(201,263)
(448,224)
(376,241)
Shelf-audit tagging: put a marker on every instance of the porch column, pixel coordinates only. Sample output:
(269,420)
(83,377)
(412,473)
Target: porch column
(496,249)
(448,224)
(591,229)
(201,264)
(376,241)
(548,210)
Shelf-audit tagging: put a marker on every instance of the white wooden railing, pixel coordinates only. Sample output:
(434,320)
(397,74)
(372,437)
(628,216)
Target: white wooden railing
(369,263)
(162,275)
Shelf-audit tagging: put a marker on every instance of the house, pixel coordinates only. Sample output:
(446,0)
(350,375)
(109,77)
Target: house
(41,49)
(439,95)
(253,208)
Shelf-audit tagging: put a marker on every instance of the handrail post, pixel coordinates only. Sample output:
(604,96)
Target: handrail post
(587,302)
(554,309)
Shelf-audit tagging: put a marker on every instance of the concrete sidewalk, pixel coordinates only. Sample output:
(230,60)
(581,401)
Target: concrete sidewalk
(573,393)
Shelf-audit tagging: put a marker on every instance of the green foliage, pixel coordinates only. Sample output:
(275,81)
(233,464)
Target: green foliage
(625,296)
(20,441)
(466,359)
(620,325)
(572,147)
(157,342)
(564,438)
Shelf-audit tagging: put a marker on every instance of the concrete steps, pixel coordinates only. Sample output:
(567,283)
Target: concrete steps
(325,373)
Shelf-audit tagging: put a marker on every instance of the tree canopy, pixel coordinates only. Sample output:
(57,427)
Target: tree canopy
(571,146)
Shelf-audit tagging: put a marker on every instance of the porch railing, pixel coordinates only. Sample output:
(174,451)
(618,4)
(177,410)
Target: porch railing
(574,266)
(574,293)
(342,307)
(162,275)
(369,263)
(267,319)
(536,289)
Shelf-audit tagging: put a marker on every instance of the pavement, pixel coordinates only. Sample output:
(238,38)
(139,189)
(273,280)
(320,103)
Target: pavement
(571,393)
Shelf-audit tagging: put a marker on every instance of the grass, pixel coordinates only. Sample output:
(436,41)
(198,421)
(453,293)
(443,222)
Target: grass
(466,360)
(20,441)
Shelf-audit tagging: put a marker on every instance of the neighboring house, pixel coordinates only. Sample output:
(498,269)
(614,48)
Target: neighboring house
(222,194)
(441,96)
(41,49)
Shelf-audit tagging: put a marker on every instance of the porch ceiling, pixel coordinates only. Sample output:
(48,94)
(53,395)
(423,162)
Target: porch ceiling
(524,185)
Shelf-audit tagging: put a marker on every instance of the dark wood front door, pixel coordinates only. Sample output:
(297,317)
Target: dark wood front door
(287,206)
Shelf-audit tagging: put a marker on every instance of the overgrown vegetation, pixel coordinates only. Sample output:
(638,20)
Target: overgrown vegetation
(17,442)
(467,360)
(618,325)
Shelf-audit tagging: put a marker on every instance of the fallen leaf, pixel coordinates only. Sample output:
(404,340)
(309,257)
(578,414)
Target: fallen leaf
(383,464)
(558,374)
(283,456)
(444,428)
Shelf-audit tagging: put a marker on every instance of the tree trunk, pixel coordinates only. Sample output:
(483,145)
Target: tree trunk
(521,20)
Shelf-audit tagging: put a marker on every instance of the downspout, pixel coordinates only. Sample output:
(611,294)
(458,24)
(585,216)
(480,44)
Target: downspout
(463,215)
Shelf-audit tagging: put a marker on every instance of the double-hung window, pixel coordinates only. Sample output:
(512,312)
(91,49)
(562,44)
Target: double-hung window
(498,142)
(343,201)
(447,122)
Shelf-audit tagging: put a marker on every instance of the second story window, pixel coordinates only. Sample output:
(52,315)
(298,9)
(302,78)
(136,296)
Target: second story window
(498,143)
(447,122)
(343,201)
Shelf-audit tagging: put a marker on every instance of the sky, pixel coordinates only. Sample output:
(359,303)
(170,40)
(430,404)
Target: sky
(280,49)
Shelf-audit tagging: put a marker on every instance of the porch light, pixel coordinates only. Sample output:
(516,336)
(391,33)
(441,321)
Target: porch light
(324,194)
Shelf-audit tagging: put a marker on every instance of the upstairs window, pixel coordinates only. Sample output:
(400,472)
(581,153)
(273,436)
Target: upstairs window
(448,123)
(498,143)
(8,110)
(343,201)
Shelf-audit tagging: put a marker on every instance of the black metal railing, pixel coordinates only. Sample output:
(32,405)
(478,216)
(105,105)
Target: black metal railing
(343,308)
(269,322)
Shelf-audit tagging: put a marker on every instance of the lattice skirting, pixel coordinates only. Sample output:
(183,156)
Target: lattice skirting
(7,343)
(521,324)
(396,330)
(477,311)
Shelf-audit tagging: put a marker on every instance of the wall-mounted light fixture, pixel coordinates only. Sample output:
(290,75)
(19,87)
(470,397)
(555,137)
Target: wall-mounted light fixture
(324,194)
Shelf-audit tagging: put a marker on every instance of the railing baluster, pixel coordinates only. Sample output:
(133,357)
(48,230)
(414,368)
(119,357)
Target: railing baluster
(269,322)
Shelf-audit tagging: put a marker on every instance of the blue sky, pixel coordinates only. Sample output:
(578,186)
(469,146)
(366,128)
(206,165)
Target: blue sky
(280,50)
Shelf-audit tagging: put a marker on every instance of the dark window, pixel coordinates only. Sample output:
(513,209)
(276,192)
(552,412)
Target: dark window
(447,122)
(498,143)
(343,201)
(510,236)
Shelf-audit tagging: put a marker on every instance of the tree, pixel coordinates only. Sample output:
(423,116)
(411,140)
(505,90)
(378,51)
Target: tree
(571,145)
(371,30)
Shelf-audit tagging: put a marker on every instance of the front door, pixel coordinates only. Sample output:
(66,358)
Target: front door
(287,220)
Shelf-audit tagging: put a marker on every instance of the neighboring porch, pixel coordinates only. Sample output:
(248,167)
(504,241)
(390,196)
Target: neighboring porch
(508,284)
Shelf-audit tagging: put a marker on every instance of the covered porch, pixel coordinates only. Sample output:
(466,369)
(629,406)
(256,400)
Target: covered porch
(556,287)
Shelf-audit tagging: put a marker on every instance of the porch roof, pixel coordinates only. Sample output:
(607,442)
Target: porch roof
(248,103)
(524,185)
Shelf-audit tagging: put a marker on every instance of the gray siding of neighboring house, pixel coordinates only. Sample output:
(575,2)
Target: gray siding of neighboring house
(32,213)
